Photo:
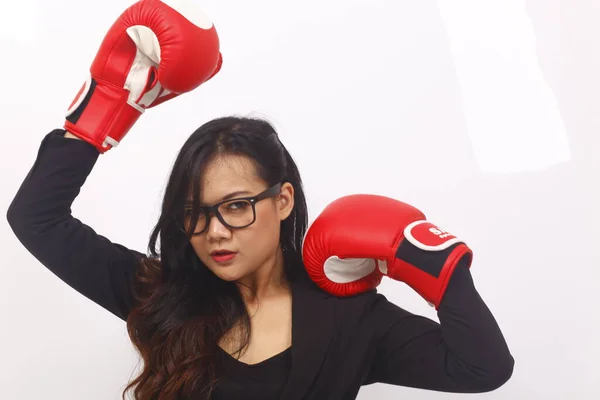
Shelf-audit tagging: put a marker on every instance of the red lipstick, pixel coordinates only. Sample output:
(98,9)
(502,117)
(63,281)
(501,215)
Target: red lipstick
(222,256)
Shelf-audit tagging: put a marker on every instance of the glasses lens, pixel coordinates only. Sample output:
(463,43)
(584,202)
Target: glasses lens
(237,213)
(199,225)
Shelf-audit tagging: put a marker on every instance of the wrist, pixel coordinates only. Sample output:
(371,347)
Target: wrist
(101,115)
(426,258)
(70,135)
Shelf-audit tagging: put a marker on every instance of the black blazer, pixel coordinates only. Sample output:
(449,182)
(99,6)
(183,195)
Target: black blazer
(338,344)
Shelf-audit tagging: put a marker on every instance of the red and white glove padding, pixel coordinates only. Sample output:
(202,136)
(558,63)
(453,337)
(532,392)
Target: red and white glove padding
(358,239)
(155,51)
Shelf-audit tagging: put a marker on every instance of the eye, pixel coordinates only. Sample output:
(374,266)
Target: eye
(238,205)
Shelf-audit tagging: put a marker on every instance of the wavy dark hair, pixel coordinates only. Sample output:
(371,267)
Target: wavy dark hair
(183,310)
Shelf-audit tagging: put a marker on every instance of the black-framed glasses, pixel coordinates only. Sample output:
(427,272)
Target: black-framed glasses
(233,213)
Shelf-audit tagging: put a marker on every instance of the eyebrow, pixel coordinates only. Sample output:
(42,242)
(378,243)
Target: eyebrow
(231,195)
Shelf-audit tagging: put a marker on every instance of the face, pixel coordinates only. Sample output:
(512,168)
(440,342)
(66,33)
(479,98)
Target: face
(254,247)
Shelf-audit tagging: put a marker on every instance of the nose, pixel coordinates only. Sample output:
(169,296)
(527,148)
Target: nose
(216,230)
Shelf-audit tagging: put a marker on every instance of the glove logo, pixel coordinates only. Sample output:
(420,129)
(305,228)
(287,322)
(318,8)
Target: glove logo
(426,236)
(439,232)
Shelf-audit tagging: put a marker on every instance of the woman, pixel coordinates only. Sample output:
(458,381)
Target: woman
(225,309)
(195,312)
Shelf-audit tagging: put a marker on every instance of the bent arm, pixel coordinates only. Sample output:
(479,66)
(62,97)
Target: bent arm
(40,217)
(466,352)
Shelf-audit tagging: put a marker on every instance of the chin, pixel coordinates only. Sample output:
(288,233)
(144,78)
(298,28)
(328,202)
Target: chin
(228,277)
(228,273)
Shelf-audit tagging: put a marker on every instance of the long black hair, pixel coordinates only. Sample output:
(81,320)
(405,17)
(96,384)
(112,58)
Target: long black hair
(183,310)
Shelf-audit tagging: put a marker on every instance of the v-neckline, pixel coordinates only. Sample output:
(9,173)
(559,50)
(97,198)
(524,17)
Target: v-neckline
(258,364)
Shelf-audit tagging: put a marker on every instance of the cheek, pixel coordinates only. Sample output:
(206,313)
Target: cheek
(263,235)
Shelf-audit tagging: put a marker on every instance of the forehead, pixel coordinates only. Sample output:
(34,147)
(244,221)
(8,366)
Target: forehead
(227,174)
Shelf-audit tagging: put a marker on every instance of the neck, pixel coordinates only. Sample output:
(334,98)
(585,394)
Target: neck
(267,282)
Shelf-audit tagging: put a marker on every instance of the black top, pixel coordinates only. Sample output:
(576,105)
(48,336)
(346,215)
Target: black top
(338,344)
(265,380)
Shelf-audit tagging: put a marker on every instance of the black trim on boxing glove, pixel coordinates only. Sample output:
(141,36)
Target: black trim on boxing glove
(431,262)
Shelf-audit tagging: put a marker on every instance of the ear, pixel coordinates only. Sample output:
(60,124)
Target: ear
(285,200)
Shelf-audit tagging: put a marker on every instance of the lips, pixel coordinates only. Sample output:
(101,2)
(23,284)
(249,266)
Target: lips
(221,252)
(222,256)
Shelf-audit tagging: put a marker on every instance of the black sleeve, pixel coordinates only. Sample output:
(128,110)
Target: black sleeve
(40,217)
(465,353)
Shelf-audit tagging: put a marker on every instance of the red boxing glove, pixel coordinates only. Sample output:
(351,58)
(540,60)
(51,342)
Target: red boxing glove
(358,239)
(155,51)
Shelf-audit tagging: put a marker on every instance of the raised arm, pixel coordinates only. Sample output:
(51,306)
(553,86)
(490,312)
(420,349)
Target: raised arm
(466,352)
(359,239)
(40,216)
(143,61)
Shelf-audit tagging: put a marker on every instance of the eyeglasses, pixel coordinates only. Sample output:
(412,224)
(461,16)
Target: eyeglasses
(234,213)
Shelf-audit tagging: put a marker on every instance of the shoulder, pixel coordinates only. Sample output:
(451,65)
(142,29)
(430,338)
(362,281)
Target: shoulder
(369,310)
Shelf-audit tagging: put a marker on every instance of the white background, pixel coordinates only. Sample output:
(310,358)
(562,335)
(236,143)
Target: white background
(484,114)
